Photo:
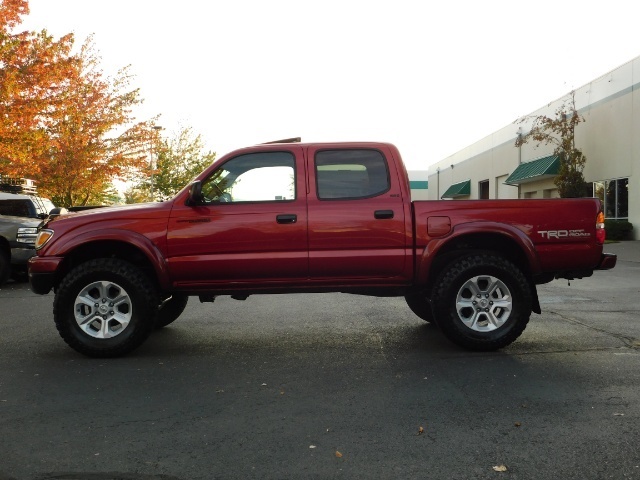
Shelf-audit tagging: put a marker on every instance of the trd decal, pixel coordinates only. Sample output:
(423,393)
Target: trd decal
(558,234)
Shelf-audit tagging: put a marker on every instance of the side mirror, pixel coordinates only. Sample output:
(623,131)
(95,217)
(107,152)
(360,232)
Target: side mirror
(57,211)
(195,194)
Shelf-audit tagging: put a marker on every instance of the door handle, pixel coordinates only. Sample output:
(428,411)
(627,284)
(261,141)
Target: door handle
(383,214)
(286,218)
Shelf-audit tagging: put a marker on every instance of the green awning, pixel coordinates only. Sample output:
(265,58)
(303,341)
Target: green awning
(462,189)
(542,168)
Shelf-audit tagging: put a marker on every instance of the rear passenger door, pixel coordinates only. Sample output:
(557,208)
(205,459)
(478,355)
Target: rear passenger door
(356,217)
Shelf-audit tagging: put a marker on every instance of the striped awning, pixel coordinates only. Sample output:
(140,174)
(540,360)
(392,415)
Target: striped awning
(462,189)
(547,167)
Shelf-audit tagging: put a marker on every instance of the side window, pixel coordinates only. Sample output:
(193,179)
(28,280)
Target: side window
(351,174)
(16,208)
(255,177)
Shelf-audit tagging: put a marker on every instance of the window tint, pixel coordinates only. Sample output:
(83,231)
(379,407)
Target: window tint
(255,177)
(16,208)
(351,174)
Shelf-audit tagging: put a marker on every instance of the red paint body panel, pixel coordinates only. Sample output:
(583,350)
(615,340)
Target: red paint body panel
(240,242)
(346,241)
(385,241)
(527,223)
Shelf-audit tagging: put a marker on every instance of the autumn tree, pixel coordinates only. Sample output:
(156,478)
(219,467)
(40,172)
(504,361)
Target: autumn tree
(177,161)
(559,131)
(92,136)
(34,68)
(63,122)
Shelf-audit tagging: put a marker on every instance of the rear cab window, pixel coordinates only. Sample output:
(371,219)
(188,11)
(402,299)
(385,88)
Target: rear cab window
(351,174)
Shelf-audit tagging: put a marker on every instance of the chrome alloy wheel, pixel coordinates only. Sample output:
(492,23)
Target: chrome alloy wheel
(103,309)
(484,303)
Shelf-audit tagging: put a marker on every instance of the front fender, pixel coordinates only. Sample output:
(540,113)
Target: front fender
(64,247)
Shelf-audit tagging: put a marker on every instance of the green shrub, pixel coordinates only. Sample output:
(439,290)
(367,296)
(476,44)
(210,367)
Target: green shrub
(618,229)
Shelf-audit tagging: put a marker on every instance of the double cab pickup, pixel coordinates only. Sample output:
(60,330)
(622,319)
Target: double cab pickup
(311,217)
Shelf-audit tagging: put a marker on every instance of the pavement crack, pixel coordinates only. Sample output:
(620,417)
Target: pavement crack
(382,351)
(629,341)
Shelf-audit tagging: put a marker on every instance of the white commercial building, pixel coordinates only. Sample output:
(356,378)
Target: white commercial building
(609,138)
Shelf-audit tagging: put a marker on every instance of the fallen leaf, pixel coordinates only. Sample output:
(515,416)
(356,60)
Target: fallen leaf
(264,384)
(500,468)
(518,424)
(420,431)
(312,446)
(338,454)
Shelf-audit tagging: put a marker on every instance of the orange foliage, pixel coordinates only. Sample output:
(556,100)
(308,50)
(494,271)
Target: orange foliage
(62,122)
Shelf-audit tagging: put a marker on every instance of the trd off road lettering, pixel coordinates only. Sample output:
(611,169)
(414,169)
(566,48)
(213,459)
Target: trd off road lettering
(558,234)
(311,218)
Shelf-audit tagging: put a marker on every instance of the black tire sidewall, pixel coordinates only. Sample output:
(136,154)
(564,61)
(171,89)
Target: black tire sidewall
(449,284)
(137,286)
(5,267)
(420,305)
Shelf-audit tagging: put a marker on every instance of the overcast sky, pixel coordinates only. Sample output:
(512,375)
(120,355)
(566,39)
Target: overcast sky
(431,77)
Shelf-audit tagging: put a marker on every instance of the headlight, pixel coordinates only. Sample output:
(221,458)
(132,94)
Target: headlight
(27,235)
(43,237)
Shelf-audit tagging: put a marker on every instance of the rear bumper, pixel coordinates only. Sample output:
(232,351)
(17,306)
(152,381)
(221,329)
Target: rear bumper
(42,273)
(607,261)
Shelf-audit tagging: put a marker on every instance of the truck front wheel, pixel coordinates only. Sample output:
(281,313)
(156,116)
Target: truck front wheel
(105,307)
(482,302)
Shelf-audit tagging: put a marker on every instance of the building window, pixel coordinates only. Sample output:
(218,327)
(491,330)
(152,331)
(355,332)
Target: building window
(483,190)
(614,195)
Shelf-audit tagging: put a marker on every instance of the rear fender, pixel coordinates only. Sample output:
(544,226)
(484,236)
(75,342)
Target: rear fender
(476,235)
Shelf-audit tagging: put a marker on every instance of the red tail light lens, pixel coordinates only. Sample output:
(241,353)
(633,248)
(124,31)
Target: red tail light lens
(600,230)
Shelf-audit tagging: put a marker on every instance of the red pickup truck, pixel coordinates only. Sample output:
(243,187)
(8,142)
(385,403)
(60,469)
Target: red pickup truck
(330,217)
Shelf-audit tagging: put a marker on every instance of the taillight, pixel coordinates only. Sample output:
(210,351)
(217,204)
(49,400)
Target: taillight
(600,231)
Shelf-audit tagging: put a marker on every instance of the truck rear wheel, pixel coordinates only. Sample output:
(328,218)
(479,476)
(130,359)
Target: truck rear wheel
(105,307)
(421,306)
(482,302)
(171,309)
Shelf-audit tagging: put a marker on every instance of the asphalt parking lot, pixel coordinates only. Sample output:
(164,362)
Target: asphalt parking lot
(330,386)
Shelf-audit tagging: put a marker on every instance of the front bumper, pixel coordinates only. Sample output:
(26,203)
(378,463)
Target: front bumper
(607,261)
(42,271)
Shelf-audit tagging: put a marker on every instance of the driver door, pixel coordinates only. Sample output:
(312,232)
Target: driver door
(250,228)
